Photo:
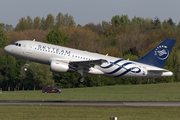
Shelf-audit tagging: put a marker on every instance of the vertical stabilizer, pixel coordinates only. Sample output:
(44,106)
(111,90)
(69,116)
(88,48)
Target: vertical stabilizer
(159,55)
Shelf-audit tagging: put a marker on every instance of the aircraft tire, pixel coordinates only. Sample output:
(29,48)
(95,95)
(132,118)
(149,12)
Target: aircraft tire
(81,80)
(25,69)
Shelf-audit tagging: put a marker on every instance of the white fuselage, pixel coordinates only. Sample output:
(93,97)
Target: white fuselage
(113,67)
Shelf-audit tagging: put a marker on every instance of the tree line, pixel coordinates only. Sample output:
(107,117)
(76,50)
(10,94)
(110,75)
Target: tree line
(121,37)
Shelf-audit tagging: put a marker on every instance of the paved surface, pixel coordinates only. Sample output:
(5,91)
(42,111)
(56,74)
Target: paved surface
(91,103)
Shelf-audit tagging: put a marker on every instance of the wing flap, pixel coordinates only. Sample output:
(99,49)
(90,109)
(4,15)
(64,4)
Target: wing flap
(89,63)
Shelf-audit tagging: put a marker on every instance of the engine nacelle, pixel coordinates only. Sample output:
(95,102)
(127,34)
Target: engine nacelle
(59,67)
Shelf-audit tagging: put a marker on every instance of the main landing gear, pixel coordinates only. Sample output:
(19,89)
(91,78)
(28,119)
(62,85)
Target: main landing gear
(81,79)
(27,64)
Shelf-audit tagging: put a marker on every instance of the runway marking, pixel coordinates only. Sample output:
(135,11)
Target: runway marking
(94,103)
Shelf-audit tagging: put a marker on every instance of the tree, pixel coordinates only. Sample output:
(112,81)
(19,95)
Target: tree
(3,39)
(64,21)
(169,25)
(2,26)
(60,22)
(22,25)
(137,21)
(69,21)
(157,23)
(80,38)
(37,22)
(105,25)
(56,37)
(43,24)
(170,21)
(8,28)
(116,20)
(123,20)
(29,23)
(95,28)
(147,25)
(49,23)
(3,76)
(112,51)
(114,30)
(178,26)
(37,76)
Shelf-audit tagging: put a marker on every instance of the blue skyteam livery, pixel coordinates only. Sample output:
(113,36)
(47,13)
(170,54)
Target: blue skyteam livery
(63,59)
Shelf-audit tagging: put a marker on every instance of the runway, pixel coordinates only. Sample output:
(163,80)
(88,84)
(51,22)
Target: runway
(93,103)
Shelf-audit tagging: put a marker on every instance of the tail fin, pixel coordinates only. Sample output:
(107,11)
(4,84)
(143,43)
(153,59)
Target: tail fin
(158,56)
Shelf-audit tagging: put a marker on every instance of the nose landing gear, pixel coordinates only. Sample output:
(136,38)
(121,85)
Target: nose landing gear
(81,79)
(27,64)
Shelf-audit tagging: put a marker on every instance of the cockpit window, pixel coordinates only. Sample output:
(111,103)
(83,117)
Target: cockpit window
(17,44)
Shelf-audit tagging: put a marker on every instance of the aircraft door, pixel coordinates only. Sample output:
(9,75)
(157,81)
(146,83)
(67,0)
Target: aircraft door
(29,48)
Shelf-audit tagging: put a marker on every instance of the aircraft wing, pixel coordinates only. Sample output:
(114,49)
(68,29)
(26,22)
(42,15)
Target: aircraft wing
(89,63)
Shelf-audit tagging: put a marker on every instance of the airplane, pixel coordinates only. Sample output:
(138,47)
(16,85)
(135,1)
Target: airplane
(64,59)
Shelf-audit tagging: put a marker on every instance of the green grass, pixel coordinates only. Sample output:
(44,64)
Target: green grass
(150,92)
(88,113)
(153,92)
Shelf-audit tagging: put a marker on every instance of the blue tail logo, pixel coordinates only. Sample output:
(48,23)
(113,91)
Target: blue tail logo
(158,56)
(162,52)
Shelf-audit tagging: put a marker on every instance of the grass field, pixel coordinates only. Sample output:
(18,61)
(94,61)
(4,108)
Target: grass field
(150,92)
(88,113)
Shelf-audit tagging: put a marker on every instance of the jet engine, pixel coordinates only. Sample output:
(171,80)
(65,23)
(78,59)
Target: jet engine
(59,67)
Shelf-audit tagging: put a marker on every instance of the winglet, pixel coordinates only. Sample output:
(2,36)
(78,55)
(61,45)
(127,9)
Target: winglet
(159,55)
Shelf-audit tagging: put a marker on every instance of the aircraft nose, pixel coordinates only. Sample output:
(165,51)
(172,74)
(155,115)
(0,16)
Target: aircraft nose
(7,49)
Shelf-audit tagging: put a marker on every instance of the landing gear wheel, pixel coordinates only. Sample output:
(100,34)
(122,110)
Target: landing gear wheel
(26,65)
(25,69)
(81,80)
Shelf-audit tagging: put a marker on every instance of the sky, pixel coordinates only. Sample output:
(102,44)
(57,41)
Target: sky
(86,11)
